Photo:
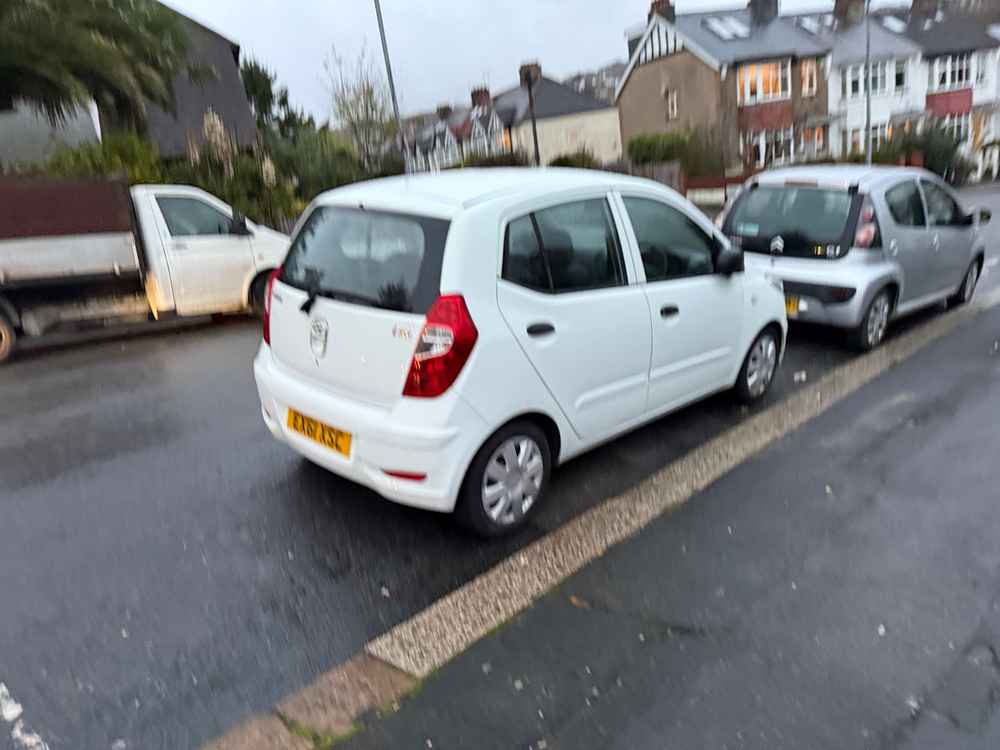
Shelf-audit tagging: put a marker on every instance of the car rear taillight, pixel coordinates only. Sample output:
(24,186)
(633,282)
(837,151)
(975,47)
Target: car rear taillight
(275,275)
(443,348)
(868,234)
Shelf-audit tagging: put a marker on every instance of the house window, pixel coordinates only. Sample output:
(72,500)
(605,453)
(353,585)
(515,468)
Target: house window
(982,61)
(764,82)
(671,97)
(900,75)
(855,78)
(812,141)
(881,134)
(950,72)
(856,141)
(768,146)
(809,78)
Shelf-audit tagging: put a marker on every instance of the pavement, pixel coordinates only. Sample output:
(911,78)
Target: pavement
(169,571)
(841,589)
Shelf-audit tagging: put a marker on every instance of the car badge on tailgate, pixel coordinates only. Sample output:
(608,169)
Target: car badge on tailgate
(319,331)
(778,245)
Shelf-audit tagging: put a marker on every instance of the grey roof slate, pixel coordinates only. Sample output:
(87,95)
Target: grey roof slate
(552,99)
(847,45)
(224,95)
(781,37)
(950,34)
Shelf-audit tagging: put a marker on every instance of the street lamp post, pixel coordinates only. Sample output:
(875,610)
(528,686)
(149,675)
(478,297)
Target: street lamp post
(392,86)
(868,82)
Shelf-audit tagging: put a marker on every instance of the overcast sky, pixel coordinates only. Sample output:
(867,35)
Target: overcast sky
(440,49)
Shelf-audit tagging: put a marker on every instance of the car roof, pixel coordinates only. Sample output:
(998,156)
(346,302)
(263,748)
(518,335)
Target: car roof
(840,175)
(448,193)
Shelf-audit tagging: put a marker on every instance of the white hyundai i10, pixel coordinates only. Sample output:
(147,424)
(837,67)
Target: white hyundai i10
(447,339)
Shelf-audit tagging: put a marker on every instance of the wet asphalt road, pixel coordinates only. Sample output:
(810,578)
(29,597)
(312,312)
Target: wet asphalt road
(166,568)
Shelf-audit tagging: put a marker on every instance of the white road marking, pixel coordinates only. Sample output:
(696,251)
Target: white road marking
(11,712)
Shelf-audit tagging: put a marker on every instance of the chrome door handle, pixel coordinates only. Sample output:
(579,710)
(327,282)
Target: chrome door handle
(936,243)
(893,248)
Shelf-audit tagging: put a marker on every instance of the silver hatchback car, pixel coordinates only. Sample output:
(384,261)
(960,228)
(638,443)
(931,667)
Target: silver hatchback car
(858,246)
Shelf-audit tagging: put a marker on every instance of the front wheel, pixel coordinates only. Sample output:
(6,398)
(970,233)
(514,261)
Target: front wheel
(7,338)
(871,331)
(758,369)
(968,288)
(506,481)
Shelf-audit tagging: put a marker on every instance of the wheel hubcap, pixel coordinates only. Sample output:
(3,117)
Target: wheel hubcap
(513,480)
(878,320)
(970,282)
(760,369)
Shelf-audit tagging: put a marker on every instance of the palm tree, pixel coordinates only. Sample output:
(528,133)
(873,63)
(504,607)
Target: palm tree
(57,54)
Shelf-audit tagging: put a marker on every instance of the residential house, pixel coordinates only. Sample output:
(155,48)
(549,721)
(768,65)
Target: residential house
(27,136)
(566,120)
(751,79)
(775,89)
(599,84)
(452,136)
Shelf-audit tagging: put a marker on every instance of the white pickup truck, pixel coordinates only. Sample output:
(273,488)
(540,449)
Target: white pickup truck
(75,254)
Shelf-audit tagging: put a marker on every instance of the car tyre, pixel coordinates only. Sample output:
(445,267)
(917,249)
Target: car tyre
(8,337)
(968,289)
(258,290)
(871,332)
(506,480)
(759,367)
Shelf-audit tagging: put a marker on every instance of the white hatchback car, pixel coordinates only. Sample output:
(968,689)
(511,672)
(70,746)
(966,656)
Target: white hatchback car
(447,339)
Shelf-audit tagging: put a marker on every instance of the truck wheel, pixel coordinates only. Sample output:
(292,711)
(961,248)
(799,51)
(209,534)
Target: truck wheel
(7,338)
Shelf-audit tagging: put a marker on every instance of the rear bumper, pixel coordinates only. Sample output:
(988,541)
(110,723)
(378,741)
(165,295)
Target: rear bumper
(382,439)
(820,285)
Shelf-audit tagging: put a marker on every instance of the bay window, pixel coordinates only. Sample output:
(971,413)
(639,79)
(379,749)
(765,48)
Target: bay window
(764,82)
(950,72)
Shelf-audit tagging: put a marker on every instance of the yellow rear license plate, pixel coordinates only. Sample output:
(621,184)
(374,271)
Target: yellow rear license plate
(792,306)
(324,434)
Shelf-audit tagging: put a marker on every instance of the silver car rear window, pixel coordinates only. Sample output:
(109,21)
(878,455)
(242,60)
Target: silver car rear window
(806,218)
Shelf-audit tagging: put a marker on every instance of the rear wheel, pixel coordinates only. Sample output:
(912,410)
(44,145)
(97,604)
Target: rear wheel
(506,481)
(968,288)
(7,338)
(873,326)
(759,367)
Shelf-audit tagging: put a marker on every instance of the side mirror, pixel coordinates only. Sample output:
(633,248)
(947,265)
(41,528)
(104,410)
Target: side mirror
(730,261)
(238,225)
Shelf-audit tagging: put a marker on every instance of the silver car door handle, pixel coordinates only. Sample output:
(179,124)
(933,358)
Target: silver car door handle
(894,248)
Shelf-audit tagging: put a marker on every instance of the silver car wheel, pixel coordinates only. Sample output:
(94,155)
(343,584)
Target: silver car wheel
(761,365)
(878,320)
(512,481)
(970,283)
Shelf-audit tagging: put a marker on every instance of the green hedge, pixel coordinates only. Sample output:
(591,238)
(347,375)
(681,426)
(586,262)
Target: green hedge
(700,154)
(581,159)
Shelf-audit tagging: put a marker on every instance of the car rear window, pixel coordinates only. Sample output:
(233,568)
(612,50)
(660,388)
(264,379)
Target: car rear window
(386,260)
(811,222)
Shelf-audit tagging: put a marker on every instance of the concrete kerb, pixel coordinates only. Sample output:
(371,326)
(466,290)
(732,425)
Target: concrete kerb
(394,663)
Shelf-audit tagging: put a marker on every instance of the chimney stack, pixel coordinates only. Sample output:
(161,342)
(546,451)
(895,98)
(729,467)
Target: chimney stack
(481,97)
(762,12)
(849,12)
(444,111)
(530,73)
(664,9)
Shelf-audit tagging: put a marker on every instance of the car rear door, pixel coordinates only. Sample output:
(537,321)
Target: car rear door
(696,315)
(566,297)
(951,236)
(908,241)
(209,265)
(352,298)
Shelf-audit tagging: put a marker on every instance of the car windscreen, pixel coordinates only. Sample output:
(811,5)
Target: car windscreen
(811,222)
(386,260)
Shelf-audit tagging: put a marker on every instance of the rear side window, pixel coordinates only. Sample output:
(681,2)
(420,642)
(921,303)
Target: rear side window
(906,205)
(384,260)
(567,248)
(811,222)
